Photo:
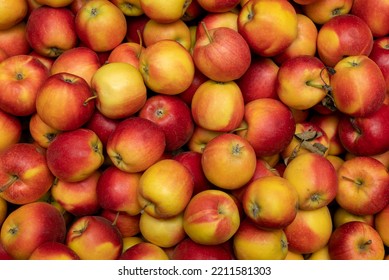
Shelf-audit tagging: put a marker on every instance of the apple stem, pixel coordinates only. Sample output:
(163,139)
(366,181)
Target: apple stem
(207,32)
(357,182)
(89,99)
(116,218)
(140,40)
(11,180)
(355,126)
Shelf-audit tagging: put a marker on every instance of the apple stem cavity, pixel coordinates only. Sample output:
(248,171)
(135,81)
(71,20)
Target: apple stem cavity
(12,179)
(255,210)
(364,245)
(355,181)
(207,32)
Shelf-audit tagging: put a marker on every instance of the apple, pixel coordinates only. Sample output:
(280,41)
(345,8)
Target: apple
(116,190)
(105,17)
(20,79)
(94,238)
(200,138)
(342,216)
(173,115)
(11,130)
(321,11)
(128,52)
(213,20)
(363,186)
(356,241)
(170,198)
(42,133)
(198,79)
(144,251)
(102,126)
(164,12)
(3,55)
(253,243)
(75,155)
(129,8)
(24,173)
(221,54)
(321,254)
(127,224)
(166,67)
(218,6)
(54,3)
(269,27)
(136,144)
(271,202)
(294,256)
(130,241)
(380,55)
(193,11)
(4,255)
(46,60)
(119,90)
(12,13)
(13,40)
(53,250)
(3,210)
(29,226)
(336,161)
(135,28)
(381,220)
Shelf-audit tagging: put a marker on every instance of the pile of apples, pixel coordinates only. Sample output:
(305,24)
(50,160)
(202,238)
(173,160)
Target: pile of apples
(203,129)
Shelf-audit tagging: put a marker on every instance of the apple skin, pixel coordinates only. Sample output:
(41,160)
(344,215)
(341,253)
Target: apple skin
(136,144)
(213,20)
(380,55)
(341,216)
(59,36)
(102,126)
(20,79)
(19,10)
(200,138)
(3,210)
(221,54)
(79,162)
(24,181)
(321,11)
(4,255)
(144,251)
(13,40)
(29,226)
(218,6)
(42,133)
(198,79)
(367,174)
(136,23)
(11,130)
(53,251)
(94,238)
(356,241)
(129,7)
(128,225)
(381,221)
(128,52)
(173,115)
(343,35)
(164,12)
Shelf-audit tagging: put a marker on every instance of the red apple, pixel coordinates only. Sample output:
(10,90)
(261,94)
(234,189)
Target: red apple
(11,130)
(127,52)
(13,40)
(135,26)
(42,133)
(215,6)
(144,251)
(53,250)
(102,126)
(200,138)
(321,11)
(193,11)
(198,79)
(213,20)
(164,12)
(380,55)
(127,224)
(4,255)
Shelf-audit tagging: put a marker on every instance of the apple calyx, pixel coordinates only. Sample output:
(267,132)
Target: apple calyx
(13,230)
(54,52)
(237,149)
(19,76)
(13,178)
(207,32)
(336,12)
(255,209)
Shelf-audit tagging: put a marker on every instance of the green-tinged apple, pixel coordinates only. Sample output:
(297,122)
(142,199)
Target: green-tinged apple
(356,241)
(309,231)
(117,190)
(269,27)
(342,216)
(128,225)
(127,52)
(221,53)
(211,217)
(164,11)
(105,17)
(129,7)
(166,67)
(74,155)
(60,101)
(29,226)
(215,6)
(42,133)
(170,198)
(253,243)
(228,161)
(53,250)
(173,115)
(213,20)
(94,238)
(102,126)
(13,40)
(78,198)
(50,31)
(11,130)
(268,125)
(321,11)
(136,144)
(54,3)
(200,138)
(12,12)
(24,173)
(270,202)
(381,224)
(20,79)
(144,251)
(119,90)
(363,186)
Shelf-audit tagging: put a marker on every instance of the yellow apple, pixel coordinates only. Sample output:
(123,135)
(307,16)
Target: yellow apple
(12,12)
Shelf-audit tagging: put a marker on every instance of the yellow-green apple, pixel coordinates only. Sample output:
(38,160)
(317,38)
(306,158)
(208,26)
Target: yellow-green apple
(144,251)
(60,101)
(163,232)
(131,241)
(271,202)
(129,7)
(127,224)
(119,90)
(170,198)
(102,126)
(309,231)
(314,178)
(4,255)
(211,217)
(221,53)
(218,106)
(321,11)
(53,250)
(294,256)
(336,161)
(24,173)
(41,133)
(193,11)
(342,216)
(380,55)
(356,241)
(128,52)
(269,27)
(187,249)
(228,161)
(20,79)
(117,190)
(321,254)
(200,138)
(374,13)
(163,11)
(214,20)
(105,17)
(218,6)
(166,67)
(198,79)
(94,238)
(135,26)
(12,12)
(13,40)
(253,243)
(268,125)
(54,3)
(363,186)
(173,115)
(136,144)
(381,224)
(11,130)
(343,35)
(365,136)
(302,82)
(3,210)
(155,31)
(59,32)
(29,226)
(74,155)
(78,198)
